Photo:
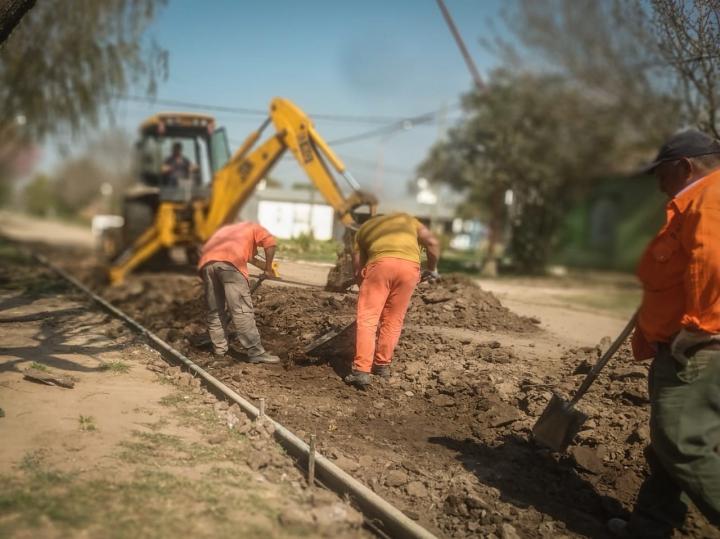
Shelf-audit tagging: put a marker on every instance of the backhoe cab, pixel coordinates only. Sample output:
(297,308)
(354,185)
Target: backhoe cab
(206,151)
(190,185)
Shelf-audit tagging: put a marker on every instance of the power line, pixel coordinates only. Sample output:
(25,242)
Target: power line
(370,163)
(255,112)
(402,125)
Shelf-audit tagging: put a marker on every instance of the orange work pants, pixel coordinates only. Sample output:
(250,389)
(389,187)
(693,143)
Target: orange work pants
(384,298)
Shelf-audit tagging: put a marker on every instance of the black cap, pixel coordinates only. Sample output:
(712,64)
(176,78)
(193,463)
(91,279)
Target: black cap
(690,143)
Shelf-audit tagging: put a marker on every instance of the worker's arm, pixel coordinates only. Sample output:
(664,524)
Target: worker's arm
(357,266)
(701,320)
(269,256)
(428,240)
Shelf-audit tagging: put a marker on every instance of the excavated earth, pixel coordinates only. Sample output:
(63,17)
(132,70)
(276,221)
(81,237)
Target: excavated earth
(447,437)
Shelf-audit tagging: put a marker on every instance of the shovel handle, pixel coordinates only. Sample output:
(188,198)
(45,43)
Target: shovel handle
(595,371)
(257,283)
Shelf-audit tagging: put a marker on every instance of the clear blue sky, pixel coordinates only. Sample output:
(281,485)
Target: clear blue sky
(373,57)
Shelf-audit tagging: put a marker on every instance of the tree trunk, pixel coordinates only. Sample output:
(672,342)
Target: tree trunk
(531,239)
(11,12)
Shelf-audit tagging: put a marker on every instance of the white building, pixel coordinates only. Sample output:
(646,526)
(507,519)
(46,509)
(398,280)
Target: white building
(289,213)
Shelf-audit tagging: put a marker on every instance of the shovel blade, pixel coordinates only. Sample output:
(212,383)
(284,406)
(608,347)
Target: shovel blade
(558,424)
(344,334)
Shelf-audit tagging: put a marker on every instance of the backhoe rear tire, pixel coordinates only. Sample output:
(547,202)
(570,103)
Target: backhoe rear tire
(139,215)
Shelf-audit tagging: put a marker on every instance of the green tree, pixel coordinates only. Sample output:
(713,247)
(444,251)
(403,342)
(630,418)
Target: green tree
(65,62)
(542,138)
(659,58)
(77,184)
(39,196)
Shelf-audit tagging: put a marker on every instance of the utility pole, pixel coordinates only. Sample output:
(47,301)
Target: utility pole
(489,266)
(461,45)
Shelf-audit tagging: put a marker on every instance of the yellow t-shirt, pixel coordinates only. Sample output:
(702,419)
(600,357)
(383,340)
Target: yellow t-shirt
(389,236)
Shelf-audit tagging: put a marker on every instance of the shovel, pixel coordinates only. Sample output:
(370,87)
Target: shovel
(560,421)
(347,329)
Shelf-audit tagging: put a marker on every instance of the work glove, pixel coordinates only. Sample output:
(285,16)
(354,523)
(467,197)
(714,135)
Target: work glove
(430,276)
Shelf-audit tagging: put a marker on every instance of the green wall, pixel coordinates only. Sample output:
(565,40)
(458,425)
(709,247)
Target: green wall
(635,209)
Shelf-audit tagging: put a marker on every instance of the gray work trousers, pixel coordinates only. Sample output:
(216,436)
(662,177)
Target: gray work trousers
(227,288)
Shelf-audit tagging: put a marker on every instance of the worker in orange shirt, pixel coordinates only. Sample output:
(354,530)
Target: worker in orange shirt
(223,268)
(679,325)
(386,259)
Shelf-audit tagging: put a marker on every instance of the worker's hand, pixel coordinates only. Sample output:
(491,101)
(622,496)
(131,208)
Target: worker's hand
(430,276)
(269,274)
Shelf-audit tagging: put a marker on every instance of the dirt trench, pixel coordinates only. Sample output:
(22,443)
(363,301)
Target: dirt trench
(447,437)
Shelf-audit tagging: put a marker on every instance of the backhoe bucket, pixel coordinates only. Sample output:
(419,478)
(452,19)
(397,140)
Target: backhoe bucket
(558,424)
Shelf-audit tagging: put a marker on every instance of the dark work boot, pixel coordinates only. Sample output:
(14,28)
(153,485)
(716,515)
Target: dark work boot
(265,357)
(383,371)
(358,379)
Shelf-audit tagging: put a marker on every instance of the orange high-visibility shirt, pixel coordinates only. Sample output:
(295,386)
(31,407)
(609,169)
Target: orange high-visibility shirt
(680,269)
(236,244)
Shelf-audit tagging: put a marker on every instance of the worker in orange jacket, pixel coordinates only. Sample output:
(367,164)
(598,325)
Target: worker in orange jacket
(386,259)
(679,326)
(223,268)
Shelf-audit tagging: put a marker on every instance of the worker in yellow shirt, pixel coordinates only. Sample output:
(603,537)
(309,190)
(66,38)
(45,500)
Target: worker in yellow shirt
(386,259)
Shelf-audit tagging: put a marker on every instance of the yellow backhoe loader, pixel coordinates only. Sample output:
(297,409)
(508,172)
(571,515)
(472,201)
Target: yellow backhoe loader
(166,211)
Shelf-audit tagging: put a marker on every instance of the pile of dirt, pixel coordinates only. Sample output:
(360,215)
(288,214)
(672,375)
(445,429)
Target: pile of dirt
(176,308)
(458,302)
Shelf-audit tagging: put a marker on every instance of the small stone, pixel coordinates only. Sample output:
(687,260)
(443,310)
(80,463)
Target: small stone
(295,517)
(640,435)
(508,531)
(443,400)
(501,414)
(396,478)
(416,489)
(217,439)
(474,502)
(633,372)
(409,394)
(347,464)
(587,459)
(637,398)
(232,420)
(220,406)
(455,505)
(330,516)
(411,466)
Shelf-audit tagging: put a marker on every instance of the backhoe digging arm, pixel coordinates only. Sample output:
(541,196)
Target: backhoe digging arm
(234,183)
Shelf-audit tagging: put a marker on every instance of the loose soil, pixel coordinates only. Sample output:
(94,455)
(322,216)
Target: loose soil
(134,448)
(447,437)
